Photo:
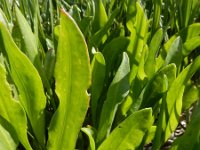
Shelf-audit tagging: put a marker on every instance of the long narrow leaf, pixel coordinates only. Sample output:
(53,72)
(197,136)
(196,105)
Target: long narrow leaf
(117,91)
(72,77)
(12,111)
(28,83)
(98,68)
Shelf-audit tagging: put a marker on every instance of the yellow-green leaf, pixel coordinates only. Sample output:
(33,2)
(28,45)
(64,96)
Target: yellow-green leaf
(28,82)
(72,78)
(12,111)
(130,133)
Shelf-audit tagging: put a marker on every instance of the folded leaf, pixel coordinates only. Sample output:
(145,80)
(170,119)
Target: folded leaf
(72,79)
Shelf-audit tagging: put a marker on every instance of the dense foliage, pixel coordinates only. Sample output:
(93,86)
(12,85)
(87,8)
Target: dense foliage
(99,74)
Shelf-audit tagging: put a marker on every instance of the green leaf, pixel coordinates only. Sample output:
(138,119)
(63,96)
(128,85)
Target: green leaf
(97,37)
(154,46)
(12,111)
(117,91)
(131,13)
(191,137)
(3,19)
(6,141)
(98,67)
(100,16)
(156,15)
(190,45)
(135,52)
(185,34)
(72,79)
(129,134)
(28,83)
(150,134)
(157,86)
(137,40)
(112,50)
(28,40)
(184,12)
(191,94)
(172,105)
(29,44)
(174,54)
(90,133)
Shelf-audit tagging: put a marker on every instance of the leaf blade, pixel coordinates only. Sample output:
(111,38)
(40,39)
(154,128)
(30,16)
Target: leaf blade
(72,75)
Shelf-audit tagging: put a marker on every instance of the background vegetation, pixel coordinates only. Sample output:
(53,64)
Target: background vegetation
(99,74)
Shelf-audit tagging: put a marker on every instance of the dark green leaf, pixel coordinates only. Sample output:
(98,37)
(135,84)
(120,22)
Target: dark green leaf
(98,67)
(117,91)
(191,137)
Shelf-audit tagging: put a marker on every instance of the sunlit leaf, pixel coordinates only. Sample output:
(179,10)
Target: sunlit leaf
(130,133)
(28,83)
(72,79)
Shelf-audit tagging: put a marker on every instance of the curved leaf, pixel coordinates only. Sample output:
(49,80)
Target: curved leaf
(190,45)
(129,134)
(174,54)
(191,94)
(117,91)
(172,105)
(90,133)
(97,37)
(72,77)
(191,137)
(100,17)
(28,82)
(6,141)
(98,67)
(154,46)
(29,45)
(157,86)
(112,50)
(137,40)
(12,111)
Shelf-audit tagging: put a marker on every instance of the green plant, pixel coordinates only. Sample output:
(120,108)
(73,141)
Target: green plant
(98,74)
